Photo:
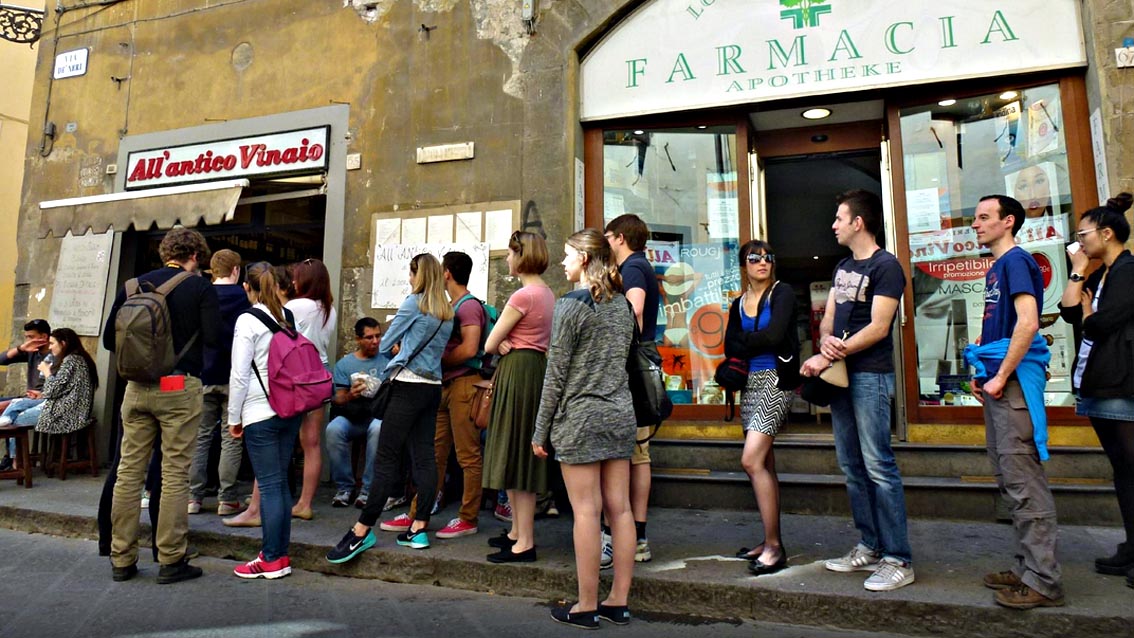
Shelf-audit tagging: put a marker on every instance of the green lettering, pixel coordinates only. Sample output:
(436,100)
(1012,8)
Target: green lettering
(893,67)
(999,25)
(869,70)
(947,41)
(845,44)
(728,60)
(681,66)
(734,86)
(634,70)
(892,40)
(824,75)
(693,11)
(776,52)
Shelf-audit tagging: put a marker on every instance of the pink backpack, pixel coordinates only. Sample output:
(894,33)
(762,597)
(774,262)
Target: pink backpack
(297,380)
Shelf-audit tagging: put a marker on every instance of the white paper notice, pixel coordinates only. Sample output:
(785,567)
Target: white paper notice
(388,231)
(80,283)
(440,229)
(413,231)
(723,219)
(468,228)
(498,229)
(391,270)
(579,199)
(923,210)
(612,206)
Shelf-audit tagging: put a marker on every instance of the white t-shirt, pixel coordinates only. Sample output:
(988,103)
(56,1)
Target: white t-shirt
(309,318)
(247,403)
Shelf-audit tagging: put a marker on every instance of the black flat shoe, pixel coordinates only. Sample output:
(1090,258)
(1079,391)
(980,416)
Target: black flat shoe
(506,555)
(123,574)
(1118,564)
(750,554)
(756,568)
(619,615)
(580,619)
(501,542)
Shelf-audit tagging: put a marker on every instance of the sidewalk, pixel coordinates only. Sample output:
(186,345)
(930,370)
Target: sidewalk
(692,572)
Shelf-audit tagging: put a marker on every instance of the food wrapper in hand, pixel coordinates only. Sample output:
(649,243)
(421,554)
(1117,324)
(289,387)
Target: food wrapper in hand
(371,382)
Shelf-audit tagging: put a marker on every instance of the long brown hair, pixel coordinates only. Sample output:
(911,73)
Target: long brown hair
(261,280)
(598,264)
(72,345)
(312,281)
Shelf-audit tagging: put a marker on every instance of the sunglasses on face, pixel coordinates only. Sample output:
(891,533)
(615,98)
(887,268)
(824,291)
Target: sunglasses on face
(755,258)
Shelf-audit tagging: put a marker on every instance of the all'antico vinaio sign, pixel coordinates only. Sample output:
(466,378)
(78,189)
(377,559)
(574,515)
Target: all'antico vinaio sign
(302,151)
(683,54)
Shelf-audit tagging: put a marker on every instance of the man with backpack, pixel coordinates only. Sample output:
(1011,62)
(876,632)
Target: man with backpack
(461,364)
(159,327)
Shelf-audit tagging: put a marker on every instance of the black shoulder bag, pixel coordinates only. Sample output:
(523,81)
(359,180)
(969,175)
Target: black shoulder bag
(647,386)
(381,398)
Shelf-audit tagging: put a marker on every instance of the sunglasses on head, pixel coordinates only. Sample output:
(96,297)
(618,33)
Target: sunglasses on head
(755,258)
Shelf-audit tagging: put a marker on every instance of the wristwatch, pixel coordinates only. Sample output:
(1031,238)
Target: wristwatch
(1076,277)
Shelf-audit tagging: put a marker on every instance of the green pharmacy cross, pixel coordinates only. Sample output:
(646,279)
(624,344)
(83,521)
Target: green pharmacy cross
(804,13)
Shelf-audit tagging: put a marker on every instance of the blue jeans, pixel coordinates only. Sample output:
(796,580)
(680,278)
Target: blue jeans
(24,412)
(340,432)
(861,418)
(270,444)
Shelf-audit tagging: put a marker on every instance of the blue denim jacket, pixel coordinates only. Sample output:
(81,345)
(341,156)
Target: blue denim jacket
(410,327)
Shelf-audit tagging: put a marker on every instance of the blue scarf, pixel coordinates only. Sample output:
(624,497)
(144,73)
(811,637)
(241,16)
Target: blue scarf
(1032,374)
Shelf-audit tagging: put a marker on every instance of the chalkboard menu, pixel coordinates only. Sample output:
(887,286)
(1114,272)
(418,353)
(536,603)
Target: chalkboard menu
(80,283)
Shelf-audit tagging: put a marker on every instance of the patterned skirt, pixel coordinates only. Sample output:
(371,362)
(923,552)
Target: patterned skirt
(763,406)
(508,460)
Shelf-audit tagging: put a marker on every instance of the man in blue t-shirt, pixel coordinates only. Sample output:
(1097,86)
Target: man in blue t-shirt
(627,235)
(350,409)
(856,329)
(1013,296)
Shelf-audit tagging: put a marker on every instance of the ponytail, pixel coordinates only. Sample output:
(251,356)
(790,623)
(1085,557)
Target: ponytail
(263,284)
(599,269)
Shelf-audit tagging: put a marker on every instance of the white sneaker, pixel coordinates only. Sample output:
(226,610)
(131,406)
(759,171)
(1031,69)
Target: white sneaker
(859,559)
(643,555)
(891,574)
(606,560)
(194,506)
(5,420)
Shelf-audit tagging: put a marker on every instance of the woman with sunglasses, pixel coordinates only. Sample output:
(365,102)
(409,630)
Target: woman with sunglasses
(1101,308)
(521,338)
(316,319)
(420,329)
(761,326)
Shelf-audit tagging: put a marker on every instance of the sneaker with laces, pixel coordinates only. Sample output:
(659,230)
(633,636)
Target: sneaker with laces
(642,554)
(1023,597)
(399,523)
(503,512)
(341,499)
(391,503)
(194,506)
(364,498)
(606,558)
(456,528)
(891,574)
(1001,580)
(351,546)
(414,540)
(859,559)
(229,508)
(260,568)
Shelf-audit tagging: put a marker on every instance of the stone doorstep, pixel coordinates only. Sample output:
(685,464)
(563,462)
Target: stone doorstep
(652,595)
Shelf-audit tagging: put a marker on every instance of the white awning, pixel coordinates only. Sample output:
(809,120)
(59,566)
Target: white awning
(213,202)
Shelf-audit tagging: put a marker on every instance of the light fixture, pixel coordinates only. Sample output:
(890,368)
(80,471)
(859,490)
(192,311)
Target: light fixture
(949,102)
(639,132)
(702,127)
(816,114)
(1008,95)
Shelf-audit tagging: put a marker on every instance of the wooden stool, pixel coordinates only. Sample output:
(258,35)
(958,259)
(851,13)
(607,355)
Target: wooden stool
(51,463)
(23,475)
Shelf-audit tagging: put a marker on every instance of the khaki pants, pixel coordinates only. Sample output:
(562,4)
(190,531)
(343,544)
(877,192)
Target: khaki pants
(146,411)
(455,427)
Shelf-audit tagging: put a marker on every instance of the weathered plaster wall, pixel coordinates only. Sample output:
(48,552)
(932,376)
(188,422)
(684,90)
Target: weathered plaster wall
(1109,88)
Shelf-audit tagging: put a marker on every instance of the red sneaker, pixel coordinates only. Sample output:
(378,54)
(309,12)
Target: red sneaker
(260,568)
(455,528)
(400,523)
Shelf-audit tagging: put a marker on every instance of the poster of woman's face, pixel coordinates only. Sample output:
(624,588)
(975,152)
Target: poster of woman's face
(1035,188)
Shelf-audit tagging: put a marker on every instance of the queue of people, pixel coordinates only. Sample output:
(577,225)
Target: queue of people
(560,389)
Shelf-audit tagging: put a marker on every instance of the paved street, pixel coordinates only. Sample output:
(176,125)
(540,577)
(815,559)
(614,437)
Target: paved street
(60,587)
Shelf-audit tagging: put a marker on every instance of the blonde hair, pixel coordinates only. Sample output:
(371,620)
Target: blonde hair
(261,280)
(599,268)
(430,284)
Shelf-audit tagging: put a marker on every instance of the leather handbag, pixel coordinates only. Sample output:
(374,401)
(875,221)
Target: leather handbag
(732,374)
(481,410)
(836,374)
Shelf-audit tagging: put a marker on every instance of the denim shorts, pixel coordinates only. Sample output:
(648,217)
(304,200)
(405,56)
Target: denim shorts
(1115,409)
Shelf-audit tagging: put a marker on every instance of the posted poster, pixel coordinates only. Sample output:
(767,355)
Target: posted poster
(696,282)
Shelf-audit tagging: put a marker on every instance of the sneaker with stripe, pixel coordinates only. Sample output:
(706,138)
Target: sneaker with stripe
(414,540)
(260,568)
(859,559)
(891,574)
(351,546)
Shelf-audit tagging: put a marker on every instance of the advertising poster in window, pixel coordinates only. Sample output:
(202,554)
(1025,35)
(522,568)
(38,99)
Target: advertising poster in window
(696,283)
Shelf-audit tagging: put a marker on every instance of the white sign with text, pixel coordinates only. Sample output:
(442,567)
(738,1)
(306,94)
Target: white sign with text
(80,283)
(391,269)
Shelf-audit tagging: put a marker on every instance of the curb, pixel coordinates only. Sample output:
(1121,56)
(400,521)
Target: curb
(652,596)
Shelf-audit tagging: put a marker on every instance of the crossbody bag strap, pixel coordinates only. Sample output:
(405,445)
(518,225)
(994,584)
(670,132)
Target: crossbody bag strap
(421,346)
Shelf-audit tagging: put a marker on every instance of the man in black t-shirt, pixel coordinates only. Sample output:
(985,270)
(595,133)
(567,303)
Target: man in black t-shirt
(171,408)
(856,329)
(627,235)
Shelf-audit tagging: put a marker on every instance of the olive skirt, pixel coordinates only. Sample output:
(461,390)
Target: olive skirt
(508,460)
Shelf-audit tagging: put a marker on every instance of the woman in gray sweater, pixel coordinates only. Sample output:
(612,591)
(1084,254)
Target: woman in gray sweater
(587,411)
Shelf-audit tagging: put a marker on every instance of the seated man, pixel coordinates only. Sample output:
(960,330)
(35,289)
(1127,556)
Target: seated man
(351,413)
(33,350)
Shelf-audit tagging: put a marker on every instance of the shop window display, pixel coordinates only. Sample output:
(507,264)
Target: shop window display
(683,184)
(955,153)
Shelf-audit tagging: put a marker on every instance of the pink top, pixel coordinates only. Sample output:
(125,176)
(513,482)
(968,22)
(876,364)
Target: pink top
(533,330)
